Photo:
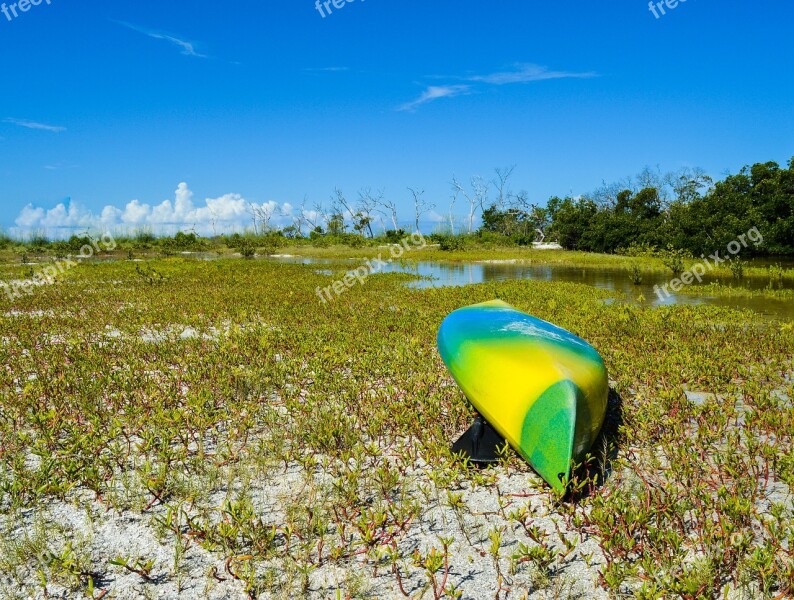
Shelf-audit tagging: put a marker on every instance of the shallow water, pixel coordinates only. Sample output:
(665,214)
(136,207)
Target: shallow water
(445,274)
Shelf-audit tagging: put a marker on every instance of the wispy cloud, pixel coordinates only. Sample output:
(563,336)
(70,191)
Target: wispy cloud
(34,125)
(59,165)
(520,73)
(328,70)
(436,92)
(188,48)
(526,73)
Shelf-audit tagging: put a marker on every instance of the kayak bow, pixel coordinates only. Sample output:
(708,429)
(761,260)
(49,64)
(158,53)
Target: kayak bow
(539,386)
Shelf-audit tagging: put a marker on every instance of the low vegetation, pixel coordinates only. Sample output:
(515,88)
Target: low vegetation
(208,428)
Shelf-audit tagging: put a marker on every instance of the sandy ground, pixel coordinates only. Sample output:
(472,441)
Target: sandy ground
(104,536)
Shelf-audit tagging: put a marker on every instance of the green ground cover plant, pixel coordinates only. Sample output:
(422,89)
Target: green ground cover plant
(208,428)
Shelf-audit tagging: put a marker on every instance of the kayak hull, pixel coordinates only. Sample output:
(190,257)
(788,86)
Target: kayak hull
(541,387)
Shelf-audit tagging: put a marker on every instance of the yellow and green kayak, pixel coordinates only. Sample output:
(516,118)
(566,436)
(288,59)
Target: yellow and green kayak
(539,386)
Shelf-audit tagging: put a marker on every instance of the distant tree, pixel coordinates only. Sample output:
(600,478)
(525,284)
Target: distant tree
(501,183)
(421,206)
(362,224)
(387,208)
(300,219)
(336,224)
(290,232)
(368,202)
(511,222)
(571,220)
(540,217)
(606,196)
(689,184)
(477,197)
(395,236)
(453,199)
(262,215)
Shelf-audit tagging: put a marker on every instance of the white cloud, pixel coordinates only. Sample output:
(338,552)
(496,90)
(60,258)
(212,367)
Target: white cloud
(188,48)
(525,73)
(70,216)
(135,213)
(225,214)
(328,70)
(435,92)
(60,165)
(110,216)
(522,73)
(30,217)
(34,125)
(312,216)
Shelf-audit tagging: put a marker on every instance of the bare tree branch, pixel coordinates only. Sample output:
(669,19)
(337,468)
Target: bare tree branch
(452,201)
(340,205)
(477,197)
(388,208)
(421,206)
(368,203)
(502,184)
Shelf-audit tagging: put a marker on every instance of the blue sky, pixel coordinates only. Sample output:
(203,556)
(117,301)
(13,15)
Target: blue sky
(115,104)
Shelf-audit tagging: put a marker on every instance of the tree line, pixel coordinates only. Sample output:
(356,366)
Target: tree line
(685,210)
(653,211)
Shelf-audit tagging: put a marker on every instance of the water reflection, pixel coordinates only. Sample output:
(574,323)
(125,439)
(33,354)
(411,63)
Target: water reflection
(444,274)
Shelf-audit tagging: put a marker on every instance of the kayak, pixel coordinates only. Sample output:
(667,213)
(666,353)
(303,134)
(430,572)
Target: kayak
(540,387)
